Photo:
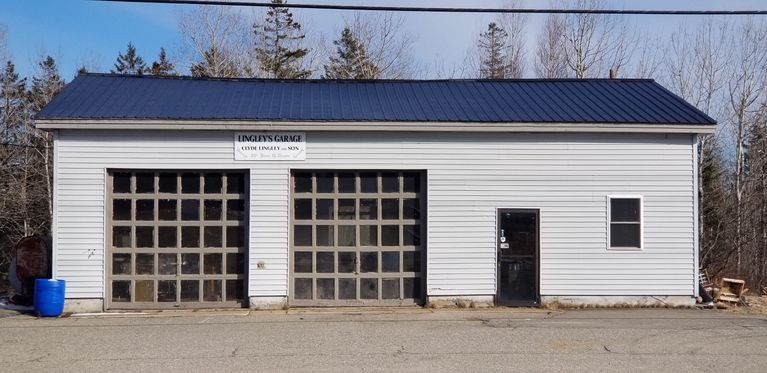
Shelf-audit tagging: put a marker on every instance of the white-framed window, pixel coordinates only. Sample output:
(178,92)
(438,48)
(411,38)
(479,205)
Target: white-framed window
(625,222)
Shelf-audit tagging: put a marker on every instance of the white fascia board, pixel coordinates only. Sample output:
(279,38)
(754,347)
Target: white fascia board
(218,125)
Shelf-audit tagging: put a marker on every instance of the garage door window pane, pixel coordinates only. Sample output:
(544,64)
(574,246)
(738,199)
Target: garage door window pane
(411,261)
(167,237)
(211,290)
(234,290)
(325,235)
(167,209)
(410,209)
(390,182)
(144,264)
(121,237)
(213,209)
(347,209)
(235,263)
(390,288)
(326,288)
(390,208)
(213,236)
(122,209)
(302,209)
(368,235)
(121,182)
(390,235)
(213,264)
(347,235)
(190,291)
(368,209)
(121,264)
(168,183)
(302,183)
(324,209)
(411,182)
(144,182)
(190,183)
(145,209)
(347,288)
(190,264)
(144,236)
(120,291)
(235,236)
(235,183)
(390,261)
(190,209)
(368,182)
(346,183)
(302,262)
(369,262)
(325,262)
(213,183)
(302,235)
(166,291)
(412,235)
(325,182)
(369,288)
(346,261)
(167,264)
(302,288)
(235,209)
(144,291)
(190,237)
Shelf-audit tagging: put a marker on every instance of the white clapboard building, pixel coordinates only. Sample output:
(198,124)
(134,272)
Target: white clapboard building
(208,193)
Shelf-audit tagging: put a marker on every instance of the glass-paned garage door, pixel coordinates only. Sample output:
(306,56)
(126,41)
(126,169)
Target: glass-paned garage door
(357,238)
(176,239)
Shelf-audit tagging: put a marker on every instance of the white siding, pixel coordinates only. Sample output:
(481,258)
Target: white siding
(566,176)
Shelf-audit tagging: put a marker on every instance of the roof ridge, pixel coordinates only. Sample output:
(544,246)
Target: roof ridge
(351,81)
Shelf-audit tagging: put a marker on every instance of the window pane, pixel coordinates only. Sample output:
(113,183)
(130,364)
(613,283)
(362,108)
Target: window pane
(411,182)
(235,263)
(347,235)
(369,261)
(121,264)
(412,235)
(302,288)
(121,182)
(368,182)
(144,264)
(324,182)
(121,237)
(325,262)
(235,183)
(144,182)
(144,236)
(168,184)
(390,182)
(302,235)
(390,288)
(234,290)
(190,183)
(624,209)
(212,264)
(390,261)
(368,235)
(302,262)
(347,209)
(167,237)
(190,237)
(346,261)
(166,209)
(411,209)
(411,288)
(368,209)
(369,288)
(390,235)
(190,209)
(120,291)
(302,209)
(213,209)
(144,291)
(213,236)
(624,235)
(190,264)
(166,291)
(167,264)
(346,182)
(213,183)
(411,261)
(190,291)
(324,209)
(235,209)
(302,182)
(326,288)
(211,290)
(145,209)
(390,208)
(235,236)
(122,209)
(347,288)
(325,235)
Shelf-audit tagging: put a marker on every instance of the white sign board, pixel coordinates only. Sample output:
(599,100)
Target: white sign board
(270,146)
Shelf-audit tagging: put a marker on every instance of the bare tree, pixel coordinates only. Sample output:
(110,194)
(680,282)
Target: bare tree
(387,45)
(550,55)
(515,25)
(215,42)
(594,43)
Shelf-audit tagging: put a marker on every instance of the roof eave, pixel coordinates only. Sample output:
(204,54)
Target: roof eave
(365,126)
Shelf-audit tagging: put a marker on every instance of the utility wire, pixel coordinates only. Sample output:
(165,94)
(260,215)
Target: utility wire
(422,9)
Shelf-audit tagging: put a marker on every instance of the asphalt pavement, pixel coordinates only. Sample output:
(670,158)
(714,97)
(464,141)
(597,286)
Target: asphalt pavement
(388,340)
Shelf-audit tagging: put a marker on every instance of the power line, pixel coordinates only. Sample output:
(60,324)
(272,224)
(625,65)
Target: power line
(421,9)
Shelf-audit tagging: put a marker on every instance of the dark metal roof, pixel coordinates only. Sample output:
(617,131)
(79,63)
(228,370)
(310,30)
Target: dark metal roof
(105,96)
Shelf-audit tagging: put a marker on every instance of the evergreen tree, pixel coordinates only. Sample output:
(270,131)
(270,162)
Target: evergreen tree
(279,50)
(13,105)
(130,62)
(351,60)
(46,85)
(214,66)
(163,66)
(492,48)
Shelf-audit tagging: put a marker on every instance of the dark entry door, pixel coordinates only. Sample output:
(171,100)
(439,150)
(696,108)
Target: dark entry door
(517,245)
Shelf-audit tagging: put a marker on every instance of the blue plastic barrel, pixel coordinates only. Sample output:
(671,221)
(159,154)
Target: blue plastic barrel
(49,297)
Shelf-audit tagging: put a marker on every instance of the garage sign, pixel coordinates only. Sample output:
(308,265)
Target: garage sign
(270,146)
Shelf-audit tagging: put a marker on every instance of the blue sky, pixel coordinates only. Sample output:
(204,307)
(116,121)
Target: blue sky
(80,32)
